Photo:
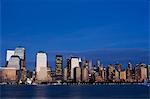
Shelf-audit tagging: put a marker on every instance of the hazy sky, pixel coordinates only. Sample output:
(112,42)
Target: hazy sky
(55,25)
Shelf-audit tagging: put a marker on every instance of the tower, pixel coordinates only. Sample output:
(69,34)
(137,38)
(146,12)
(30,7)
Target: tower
(41,67)
(20,51)
(59,65)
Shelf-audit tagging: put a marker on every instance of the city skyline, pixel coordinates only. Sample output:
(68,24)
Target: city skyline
(107,56)
(76,70)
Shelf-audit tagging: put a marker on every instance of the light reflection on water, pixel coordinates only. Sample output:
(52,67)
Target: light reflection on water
(75,92)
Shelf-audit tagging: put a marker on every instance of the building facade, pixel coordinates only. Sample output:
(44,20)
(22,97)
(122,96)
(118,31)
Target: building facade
(74,63)
(59,66)
(20,51)
(77,74)
(41,66)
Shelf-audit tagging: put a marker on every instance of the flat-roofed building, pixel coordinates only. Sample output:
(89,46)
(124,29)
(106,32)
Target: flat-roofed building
(8,74)
(77,74)
(149,72)
(21,52)
(74,63)
(117,75)
(85,75)
(65,78)
(123,75)
(41,66)
(143,73)
(59,66)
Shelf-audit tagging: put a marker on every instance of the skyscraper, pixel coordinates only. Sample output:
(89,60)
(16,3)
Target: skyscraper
(123,75)
(77,74)
(129,72)
(41,67)
(85,75)
(65,78)
(110,72)
(149,72)
(20,51)
(59,65)
(143,73)
(74,63)
(140,72)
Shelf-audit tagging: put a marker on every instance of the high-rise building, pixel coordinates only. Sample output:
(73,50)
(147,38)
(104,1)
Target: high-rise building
(41,67)
(85,75)
(74,63)
(49,76)
(149,72)
(117,75)
(20,51)
(68,69)
(123,75)
(143,73)
(65,78)
(59,65)
(140,72)
(77,74)
(129,72)
(110,72)
(101,72)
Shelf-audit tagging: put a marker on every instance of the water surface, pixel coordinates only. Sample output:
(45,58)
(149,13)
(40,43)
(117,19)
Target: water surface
(75,92)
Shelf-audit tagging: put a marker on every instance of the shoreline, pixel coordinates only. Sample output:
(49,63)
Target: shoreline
(77,84)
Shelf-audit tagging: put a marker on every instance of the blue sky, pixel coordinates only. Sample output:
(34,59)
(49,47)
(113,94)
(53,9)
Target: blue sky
(51,25)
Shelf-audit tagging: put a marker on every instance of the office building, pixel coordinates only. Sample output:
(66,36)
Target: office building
(74,63)
(129,72)
(140,72)
(85,75)
(123,75)
(20,51)
(41,67)
(117,75)
(110,73)
(149,72)
(59,65)
(49,76)
(77,74)
(143,73)
(65,78)
(8,74)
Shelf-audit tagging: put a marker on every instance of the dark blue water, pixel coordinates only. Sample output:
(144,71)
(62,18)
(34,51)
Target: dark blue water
(75,92)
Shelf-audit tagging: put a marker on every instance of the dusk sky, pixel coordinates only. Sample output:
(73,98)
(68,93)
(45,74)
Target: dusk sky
(55,25)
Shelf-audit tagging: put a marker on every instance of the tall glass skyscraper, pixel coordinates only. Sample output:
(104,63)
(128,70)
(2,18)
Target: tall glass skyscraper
(41,67)
(20,51)
(59,66)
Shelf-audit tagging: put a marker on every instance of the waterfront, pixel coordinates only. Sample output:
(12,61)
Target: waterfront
(74,92)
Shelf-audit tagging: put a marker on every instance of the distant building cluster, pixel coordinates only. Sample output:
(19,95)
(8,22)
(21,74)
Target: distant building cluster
(76,70)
